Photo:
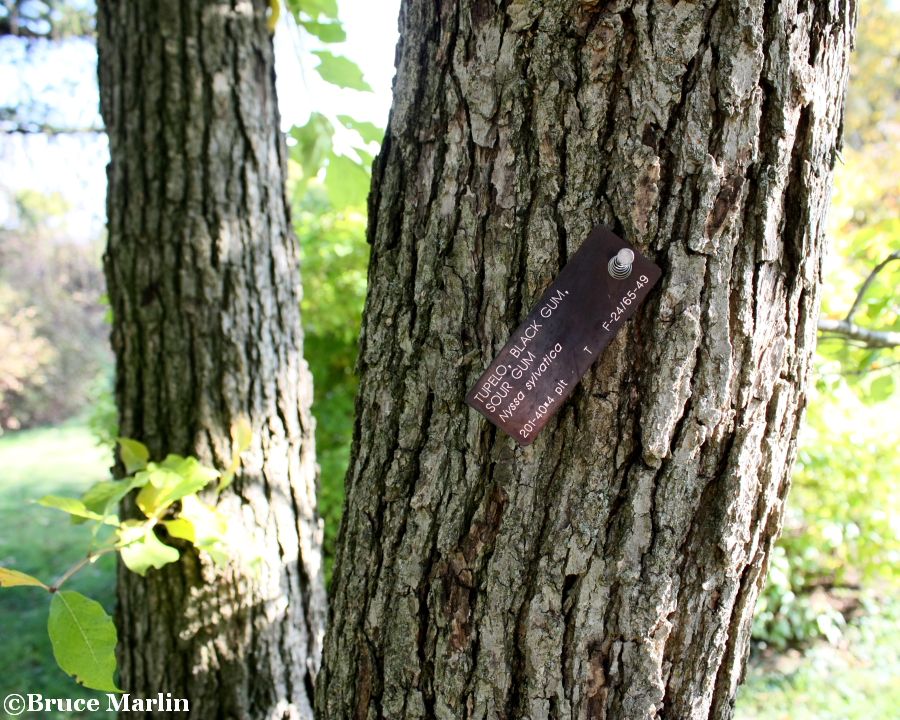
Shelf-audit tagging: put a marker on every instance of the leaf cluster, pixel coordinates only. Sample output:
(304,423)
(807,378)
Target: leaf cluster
(166,500)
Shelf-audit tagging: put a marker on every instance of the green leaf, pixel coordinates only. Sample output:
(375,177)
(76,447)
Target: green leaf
(14,578)
(312,144)
(141,555)
(190,469)
(346,182)
(369,132)
(332,32)
(882,388)
(338,70)
(84,640)
(104,496)
(74,507)
(134,454)
(101,495)
(314,8)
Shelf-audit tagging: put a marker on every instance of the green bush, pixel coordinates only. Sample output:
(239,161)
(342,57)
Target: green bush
(334,258)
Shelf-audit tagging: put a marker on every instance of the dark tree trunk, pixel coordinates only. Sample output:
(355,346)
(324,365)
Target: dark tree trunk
(610,570)
(202,268)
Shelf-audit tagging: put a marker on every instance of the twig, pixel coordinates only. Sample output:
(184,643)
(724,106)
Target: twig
(868,281)
(89,558)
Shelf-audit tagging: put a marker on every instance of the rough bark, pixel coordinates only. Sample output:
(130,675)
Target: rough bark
(611,569)
(202,268)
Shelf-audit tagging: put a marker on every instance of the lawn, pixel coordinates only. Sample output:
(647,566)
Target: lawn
(44,543)
(853,682)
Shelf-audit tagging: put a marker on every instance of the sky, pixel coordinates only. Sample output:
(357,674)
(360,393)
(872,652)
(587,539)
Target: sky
(64,77)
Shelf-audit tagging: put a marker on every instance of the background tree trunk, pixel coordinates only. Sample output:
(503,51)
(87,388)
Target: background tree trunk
(202,268)
(611,569)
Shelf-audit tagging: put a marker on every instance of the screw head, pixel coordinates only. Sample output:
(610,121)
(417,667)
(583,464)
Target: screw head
(620,264)
(625,257)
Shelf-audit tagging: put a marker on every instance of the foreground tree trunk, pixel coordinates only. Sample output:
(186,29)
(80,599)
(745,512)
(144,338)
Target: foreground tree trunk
(611,569)
(204,287)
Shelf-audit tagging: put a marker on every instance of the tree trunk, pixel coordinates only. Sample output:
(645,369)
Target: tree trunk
(610,570)
(202,268)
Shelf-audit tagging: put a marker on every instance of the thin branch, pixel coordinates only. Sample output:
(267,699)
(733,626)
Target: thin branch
(89,558)
(868,370)
(870,338)
(869,280)
(44,129)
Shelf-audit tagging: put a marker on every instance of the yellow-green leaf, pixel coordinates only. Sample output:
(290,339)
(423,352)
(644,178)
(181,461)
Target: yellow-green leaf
(14,578)
(210,526)
(181,528)
(146,553)
(274,14)
(131,530)
(172,480)
(241,439)
(135,455)
(242,434)
(84,640)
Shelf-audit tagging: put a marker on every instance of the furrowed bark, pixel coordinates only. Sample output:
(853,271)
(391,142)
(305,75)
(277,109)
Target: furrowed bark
(610,570)
(202,268)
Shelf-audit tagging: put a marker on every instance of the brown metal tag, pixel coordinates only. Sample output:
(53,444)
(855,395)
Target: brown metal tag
(581,311)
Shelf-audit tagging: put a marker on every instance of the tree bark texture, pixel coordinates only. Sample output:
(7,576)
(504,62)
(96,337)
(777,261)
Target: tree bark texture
(202,268)
(610,570)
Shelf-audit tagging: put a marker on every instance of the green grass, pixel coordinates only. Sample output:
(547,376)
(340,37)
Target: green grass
(44,543)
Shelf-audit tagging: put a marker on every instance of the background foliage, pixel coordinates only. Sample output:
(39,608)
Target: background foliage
(838,553)
(52,327)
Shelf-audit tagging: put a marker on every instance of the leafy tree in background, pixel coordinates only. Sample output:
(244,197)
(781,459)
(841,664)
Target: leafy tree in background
(45,23)
(839,548)
(328,196)
(861,322)
(46,19)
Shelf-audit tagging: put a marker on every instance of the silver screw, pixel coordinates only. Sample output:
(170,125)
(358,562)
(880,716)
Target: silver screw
(620,265)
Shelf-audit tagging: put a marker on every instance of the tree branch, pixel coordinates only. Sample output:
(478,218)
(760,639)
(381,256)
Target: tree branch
(865,286)
(45,129)
(852,331)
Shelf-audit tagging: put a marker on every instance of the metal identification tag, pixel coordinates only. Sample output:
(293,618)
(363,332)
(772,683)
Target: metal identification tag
(600,287)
